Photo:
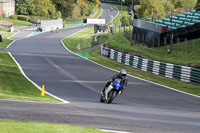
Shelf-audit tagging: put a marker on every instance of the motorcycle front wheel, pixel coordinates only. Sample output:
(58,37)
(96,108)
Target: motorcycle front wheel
(111,95)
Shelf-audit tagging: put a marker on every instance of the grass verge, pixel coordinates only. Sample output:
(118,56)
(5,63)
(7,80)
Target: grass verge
(97,57)
(6,41)
(82,39)
(16,22)
(99,11)
(12,126)
(13,85)
(161,54)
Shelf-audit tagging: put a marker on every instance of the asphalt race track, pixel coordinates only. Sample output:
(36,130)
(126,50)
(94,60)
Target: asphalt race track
(143,107)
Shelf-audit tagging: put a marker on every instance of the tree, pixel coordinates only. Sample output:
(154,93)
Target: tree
(167,5)
(65,7)
(46,8)
(125,21)
(183,3)
(150,7)
(197,7)
(25,7)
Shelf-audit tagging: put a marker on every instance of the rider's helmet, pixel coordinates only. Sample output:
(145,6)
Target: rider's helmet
(123,73)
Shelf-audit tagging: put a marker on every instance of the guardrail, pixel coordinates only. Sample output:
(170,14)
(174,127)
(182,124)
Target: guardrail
(182,73)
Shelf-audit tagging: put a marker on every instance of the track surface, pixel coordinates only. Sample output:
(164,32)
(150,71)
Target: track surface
(143,107)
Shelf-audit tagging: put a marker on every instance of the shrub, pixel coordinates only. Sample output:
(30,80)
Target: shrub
(14,17)
(23,18)
(125,21)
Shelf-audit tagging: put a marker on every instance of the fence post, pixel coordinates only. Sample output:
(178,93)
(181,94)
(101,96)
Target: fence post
(135,38)
(165,42)
(153,42)
(143,39)
(185,42)
(193,45)
(138,39)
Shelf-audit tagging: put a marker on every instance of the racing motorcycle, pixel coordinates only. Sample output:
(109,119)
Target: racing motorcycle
(112,91)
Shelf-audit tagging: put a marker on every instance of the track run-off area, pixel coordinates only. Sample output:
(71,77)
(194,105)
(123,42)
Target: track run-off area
(143,106)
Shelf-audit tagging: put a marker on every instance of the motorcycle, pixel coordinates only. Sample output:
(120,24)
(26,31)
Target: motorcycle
(112,91)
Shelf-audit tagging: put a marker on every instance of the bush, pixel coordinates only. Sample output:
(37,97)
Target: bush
(23,18)
(14,17)
(125,21)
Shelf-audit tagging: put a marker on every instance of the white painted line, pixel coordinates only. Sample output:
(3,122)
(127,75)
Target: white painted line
(26,101)
(10,44)
(113,131)
(21,70)
(14,34)
(128,74)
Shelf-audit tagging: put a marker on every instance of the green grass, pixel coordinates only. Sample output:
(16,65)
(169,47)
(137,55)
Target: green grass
(97,57)
(7,34)
(180,58)
(12,126)
(13,85)
(122,13)
(5,43)
(84,38)
(4,29)
(16,22)
(99,11)
(71,25)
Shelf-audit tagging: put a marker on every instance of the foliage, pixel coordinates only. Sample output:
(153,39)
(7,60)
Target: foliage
(23,18)
(64,6)
(125,21)
(183,3)
(14,17)
(25,7)
(37,7)
(167,5)
(46,8)
(87,6)
(150,7)
(197,7)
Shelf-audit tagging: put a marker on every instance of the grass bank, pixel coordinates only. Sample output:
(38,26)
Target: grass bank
(99,11)
(16,22)
(12,126)
(6,41)
(161,54)
(80,40)
(13,85)
(96,56)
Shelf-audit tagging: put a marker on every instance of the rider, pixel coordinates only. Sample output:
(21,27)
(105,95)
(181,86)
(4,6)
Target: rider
(120,75)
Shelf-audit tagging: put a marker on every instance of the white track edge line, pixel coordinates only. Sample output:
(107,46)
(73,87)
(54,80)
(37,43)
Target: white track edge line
(128,74)
(21,70)
(28,101)
(114,131)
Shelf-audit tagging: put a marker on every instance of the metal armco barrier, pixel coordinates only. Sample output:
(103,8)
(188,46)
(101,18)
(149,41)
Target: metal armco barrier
(182,73)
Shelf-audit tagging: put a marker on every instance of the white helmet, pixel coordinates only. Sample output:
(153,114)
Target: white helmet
(123,72)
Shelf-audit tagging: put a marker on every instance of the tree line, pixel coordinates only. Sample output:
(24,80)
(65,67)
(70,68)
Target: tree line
(152,7)
(54,8)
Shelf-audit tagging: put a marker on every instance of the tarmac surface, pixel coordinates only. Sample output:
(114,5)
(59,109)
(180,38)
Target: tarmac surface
(143,107)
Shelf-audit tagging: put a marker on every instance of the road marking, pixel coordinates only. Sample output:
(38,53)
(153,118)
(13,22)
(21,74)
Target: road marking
(21,70)
(113,131)
(27,101)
